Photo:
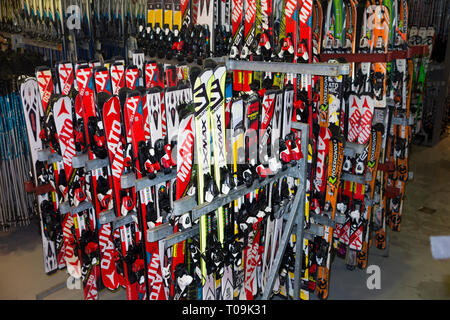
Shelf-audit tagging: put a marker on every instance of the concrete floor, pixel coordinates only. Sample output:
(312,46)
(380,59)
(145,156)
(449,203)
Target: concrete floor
(409,272)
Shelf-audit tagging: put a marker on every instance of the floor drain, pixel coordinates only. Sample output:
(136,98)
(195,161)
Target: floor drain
(427,210)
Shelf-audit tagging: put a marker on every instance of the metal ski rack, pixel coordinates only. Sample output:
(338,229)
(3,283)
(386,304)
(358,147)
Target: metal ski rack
(319,69)
(295,214)
(295,209)
(44,155)
(129,180)
(408,53)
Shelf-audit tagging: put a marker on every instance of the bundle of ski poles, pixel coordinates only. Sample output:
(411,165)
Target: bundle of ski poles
(16,206)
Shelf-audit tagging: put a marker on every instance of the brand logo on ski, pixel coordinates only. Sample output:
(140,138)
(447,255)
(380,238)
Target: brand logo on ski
(237,11)
(200,92)
(155,282)
(220,141)
(291,8)
(70,257)
(83,76)
(101,79)
(66,137)
(216,94)
(44,79)
(333,176)
(205,139)
(132,105)
(250,12)
(114,147)
(250,280)
(131,77)
(150,71)
(185,154)
(66,74)
(305,11)
(117,72)
(321,154)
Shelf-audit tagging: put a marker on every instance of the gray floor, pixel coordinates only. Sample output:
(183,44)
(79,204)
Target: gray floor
(409,272)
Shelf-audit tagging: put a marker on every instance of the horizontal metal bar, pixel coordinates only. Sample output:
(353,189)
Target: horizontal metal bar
(390,102)
(107,216)
(314,230)
(96,164)
(64,208)
(340,218)
(320,69)
(403,121)
(160,178)
(239,192)
(128,180)
(323,220)
(353,178)
(355,147)
(79,161)
(166,230)
(218,60)
(20,41)
(43,155)
(218,202)
(85,205)
(54,157)
(123,220)
(378,57)
(181,236)
(295,172)
(299,126)
(189,204)
(160,232)
(183,205)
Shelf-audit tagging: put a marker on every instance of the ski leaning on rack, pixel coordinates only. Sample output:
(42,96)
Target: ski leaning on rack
(31,103)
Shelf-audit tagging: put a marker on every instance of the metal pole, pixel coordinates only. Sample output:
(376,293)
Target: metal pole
(301,215)
(284,241)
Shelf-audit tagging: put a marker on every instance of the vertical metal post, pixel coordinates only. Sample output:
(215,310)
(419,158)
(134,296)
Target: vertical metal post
(283,242)
(123,32)
(296,216)
(301,214)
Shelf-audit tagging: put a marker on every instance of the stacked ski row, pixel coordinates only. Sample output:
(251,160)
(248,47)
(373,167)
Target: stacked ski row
(88,29)
(96,131)
(136,141)
(360,123)
(422,129)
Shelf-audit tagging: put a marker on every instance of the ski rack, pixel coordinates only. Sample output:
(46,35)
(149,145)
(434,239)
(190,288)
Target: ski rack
(296,209)
(129,180)
(19,41)
(410,52)
(319,69)
(44,155)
